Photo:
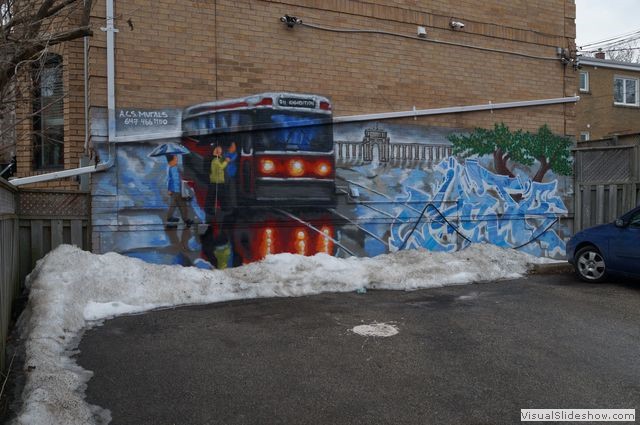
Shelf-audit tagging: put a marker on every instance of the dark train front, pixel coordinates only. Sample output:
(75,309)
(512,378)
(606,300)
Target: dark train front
(263,170)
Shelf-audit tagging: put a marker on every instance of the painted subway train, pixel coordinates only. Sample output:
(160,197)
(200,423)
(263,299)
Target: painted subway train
(262,167)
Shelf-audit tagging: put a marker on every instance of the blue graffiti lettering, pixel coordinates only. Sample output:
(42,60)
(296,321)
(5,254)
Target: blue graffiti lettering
(473,205)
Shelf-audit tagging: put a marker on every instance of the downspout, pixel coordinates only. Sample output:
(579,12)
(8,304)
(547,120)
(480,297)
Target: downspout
(456,109)
(111,72)
(85,56)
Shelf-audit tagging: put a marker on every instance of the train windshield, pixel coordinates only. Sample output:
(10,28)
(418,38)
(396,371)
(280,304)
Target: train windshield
(265,129)
(294,132)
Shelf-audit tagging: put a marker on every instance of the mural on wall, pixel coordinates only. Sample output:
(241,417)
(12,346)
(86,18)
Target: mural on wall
(271,173)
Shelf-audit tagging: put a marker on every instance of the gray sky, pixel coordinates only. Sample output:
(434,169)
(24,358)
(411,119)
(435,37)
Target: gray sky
(598,19)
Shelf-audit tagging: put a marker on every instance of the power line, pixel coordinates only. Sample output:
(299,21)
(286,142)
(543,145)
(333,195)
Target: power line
(611,39)
(618,43)
(610,50)
(468,46)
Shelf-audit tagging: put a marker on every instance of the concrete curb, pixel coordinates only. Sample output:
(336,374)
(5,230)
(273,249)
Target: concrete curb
(551,268)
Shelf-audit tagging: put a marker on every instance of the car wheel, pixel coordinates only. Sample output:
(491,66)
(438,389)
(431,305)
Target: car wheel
(590,265)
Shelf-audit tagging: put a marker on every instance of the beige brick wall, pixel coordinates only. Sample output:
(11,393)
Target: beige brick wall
(74,133)
(190,51)
(596,112)
(203,51)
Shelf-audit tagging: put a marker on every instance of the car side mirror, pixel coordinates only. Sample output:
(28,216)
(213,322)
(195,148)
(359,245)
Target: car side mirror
(620,223)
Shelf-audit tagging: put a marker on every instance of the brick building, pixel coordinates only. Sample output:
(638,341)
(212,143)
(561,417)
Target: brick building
(419,71)
(609,105)
(207,50)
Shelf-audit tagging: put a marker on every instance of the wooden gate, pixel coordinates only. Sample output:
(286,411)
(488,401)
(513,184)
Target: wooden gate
(48,219)
(607,184)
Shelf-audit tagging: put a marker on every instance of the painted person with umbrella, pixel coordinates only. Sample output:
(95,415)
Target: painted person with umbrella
(174,182)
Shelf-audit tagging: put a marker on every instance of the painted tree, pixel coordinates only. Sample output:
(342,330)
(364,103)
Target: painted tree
(551,151)
(500,142)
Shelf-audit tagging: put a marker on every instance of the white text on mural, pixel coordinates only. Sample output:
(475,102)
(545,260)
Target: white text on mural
(143,118)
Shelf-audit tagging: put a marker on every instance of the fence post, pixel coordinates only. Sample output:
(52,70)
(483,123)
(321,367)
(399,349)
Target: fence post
(9,282)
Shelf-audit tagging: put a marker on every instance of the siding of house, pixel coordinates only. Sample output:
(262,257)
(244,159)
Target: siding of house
(596,112)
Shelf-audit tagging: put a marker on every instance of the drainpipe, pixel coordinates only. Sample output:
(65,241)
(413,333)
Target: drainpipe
(456,109)
(111,72)
(85,56)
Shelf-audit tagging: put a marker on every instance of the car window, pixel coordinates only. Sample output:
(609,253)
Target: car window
(634,221)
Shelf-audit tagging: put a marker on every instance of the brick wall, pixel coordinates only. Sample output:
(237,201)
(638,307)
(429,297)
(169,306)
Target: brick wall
(174,54)
(74,133)
(203,51)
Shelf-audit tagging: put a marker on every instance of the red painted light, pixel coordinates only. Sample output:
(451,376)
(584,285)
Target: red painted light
(267,101)
(325,242)
(268,166)
(284,166)
(300,241)
(296,167)
(323,168)
(325,106)
(268,242)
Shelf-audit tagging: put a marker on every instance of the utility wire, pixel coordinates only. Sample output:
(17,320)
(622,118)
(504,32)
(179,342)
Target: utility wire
(610,39)
(468,46)
(622,49)
(617,43)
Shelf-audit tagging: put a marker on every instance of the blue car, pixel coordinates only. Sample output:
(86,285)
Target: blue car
(613,248)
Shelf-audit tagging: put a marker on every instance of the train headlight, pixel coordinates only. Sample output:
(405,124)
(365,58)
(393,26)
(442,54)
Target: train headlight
(323,169)
(296,167)
(301,242)
(325,240)
(267,166)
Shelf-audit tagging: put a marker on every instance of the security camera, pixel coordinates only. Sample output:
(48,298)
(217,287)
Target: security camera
(291,21)
(456,25)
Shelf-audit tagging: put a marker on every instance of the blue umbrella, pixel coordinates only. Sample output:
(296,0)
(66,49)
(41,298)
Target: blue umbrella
(169,149)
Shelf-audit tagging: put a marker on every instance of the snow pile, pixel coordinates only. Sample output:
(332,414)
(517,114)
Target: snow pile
(382,330)
(70,288)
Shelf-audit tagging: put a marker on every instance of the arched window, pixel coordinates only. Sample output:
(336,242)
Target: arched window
(48,114)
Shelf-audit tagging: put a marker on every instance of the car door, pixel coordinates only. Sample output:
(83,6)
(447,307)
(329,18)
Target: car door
(625,246)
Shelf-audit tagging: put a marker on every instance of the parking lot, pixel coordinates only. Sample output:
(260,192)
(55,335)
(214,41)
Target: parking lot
(472,354)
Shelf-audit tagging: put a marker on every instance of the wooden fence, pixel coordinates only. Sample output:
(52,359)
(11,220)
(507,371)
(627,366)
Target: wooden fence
(598,203)
(32,223)
(607,184)
(9,277)
(48,219)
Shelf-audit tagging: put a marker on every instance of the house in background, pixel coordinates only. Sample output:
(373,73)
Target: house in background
(608,112)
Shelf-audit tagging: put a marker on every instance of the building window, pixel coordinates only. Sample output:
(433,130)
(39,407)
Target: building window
(48,118)
(625,91)
(584,81)
(585,136)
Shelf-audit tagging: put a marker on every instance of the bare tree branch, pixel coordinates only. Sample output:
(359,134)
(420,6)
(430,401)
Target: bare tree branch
(30,27)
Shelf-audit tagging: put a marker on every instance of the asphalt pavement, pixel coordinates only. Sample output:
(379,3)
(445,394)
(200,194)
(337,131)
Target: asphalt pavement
(472,354)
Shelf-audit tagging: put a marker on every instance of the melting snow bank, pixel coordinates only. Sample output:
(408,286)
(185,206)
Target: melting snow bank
(71,287)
